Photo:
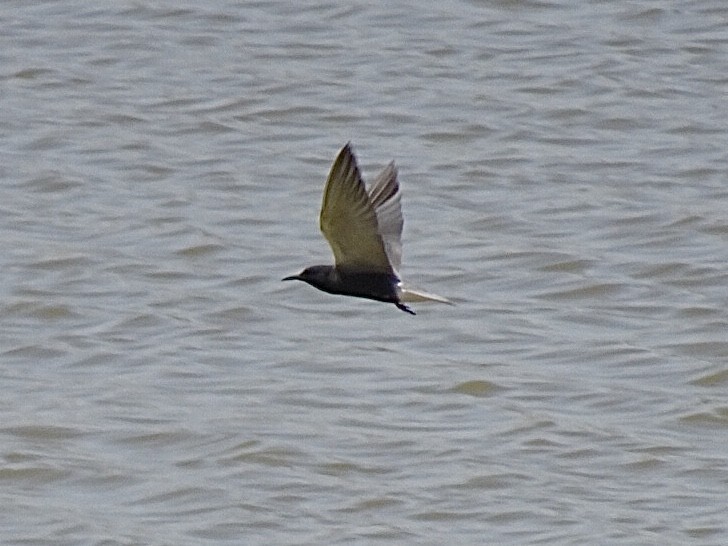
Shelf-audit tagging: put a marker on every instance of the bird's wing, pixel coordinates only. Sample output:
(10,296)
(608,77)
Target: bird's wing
(348,220)
(385,198)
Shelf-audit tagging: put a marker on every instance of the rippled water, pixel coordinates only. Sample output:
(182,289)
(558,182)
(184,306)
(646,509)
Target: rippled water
(563,169)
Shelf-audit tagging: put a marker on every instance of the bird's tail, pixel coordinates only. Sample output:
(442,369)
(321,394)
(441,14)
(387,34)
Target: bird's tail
(411,295)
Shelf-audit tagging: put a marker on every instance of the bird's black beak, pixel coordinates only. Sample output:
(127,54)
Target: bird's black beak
(292,278)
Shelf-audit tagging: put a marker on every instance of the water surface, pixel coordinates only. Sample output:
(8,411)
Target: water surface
(563,178)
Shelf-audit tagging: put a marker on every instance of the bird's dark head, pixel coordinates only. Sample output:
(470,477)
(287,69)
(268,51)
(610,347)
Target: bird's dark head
(322,277)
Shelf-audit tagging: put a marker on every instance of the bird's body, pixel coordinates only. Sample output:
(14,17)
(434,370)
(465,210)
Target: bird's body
(364,230)
(359,284)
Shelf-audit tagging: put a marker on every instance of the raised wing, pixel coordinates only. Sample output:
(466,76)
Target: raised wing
(385,198)
(348,219)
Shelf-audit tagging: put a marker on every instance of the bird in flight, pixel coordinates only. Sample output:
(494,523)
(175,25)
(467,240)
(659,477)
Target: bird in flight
(364,230)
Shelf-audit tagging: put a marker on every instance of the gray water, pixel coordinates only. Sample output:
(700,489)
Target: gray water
(563,169)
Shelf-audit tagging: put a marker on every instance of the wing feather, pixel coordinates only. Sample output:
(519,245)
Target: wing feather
(385,197)
(349,221)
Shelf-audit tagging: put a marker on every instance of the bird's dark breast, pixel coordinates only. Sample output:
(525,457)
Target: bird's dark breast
(373,286)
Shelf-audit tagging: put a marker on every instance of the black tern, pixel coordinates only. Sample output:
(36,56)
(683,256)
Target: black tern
(364,231)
